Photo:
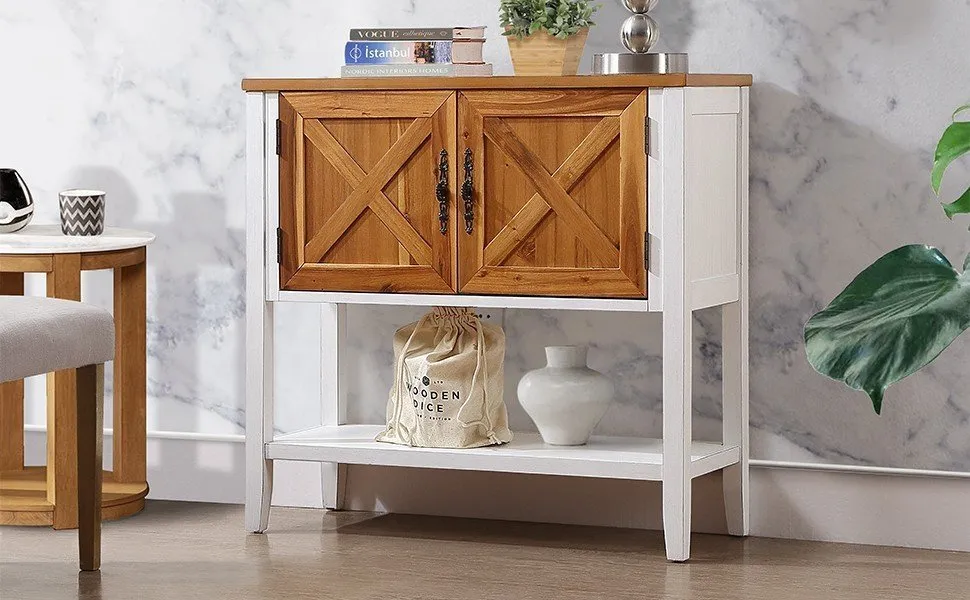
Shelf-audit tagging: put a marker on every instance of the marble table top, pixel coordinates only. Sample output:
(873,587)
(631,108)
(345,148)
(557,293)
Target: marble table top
(48,239)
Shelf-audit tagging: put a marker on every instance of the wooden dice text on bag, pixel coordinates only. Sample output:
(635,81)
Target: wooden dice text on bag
(46,495)
(622,193)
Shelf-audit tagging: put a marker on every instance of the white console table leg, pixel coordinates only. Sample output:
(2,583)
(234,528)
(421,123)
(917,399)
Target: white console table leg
(677,332)
(259,415)
(333,396)
(734,319)
(735,407)
(677,336)
(259,326)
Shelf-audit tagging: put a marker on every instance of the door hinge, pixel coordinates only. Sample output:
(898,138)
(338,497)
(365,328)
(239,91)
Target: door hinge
(279,245)
(646,135)
(279,137)
(646,251)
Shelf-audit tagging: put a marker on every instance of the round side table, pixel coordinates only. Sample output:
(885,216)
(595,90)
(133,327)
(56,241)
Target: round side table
(48,495)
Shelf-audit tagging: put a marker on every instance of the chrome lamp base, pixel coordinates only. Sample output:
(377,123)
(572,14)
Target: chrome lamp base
(614,63)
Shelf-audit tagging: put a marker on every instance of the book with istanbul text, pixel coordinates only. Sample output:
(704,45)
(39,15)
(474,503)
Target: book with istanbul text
(403,53)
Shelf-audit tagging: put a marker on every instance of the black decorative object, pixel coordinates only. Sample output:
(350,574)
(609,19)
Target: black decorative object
(441,192)
(16,203)
(468,192)
(82,212)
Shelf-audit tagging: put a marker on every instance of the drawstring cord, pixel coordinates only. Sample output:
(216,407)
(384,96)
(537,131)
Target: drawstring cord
(405,376)
(481,369)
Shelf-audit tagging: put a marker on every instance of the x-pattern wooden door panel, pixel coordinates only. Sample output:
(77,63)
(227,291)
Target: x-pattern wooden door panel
(358,203)
(559,180)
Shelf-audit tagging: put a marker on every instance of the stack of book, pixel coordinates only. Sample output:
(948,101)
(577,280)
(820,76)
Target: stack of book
(416,52)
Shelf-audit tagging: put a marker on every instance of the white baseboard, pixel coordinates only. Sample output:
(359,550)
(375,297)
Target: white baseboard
(181,466)
(842,504)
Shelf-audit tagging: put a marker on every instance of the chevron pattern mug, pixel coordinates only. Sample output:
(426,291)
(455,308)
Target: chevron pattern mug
(82,212)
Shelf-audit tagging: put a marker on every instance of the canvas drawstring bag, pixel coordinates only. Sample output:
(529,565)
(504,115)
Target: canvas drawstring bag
(448,383)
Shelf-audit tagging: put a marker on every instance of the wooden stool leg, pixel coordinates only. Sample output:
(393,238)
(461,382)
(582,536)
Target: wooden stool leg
(11,397)
(90,423)
(64,281)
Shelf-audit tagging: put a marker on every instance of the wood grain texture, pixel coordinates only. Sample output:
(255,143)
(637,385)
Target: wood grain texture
(471,246)
(64,281)
(639,82)
(444,129)
(90,427)
(291,240)
(11,396)
(328,145)
(190,550)
(555,192)
(517,230)
(375,278)
(44,518)
(541,54)
(364,193)
(565,282)
(130,378)
(324,105)
(561,202)
(718,80)
(551,102)
(633,186)
(26,263)
(11,284)
(96,261)
(567,175)
(23,497)
(300,189)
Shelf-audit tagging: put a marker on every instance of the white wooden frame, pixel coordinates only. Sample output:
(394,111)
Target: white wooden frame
(698,231)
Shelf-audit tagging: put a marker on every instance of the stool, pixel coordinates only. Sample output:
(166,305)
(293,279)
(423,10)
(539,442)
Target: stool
(43,335)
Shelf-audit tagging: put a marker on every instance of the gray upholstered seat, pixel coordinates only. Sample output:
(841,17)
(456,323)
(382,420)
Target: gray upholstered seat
(41,335)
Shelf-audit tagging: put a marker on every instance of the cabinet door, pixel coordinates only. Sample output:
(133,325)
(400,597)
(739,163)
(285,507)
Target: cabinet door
(359,204)
(559,192)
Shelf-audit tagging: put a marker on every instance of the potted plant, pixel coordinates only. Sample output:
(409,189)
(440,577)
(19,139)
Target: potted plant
(900,313)
(546,37)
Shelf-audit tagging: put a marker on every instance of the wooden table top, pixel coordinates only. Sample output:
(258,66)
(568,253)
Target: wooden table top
(496,83)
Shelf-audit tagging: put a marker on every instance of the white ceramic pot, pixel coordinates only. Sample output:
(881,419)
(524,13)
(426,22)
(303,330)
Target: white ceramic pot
(566,399)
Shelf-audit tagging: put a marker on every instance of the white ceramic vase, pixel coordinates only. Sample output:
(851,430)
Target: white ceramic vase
(566,399)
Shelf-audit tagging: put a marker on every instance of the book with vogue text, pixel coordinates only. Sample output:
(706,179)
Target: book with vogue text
(413,34)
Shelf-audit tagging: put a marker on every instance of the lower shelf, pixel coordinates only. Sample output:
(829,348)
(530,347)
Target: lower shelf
(23,497)
(604,457)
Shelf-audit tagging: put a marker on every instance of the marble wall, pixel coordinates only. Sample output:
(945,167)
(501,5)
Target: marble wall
(142,99)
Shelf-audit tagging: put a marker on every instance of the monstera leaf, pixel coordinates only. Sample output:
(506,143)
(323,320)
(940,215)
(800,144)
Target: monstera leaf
(892,320)
(954,144)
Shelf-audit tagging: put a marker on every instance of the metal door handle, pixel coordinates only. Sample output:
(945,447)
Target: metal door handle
(468,192)
(441,191)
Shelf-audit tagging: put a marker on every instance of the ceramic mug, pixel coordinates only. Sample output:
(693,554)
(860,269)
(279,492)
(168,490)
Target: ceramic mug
(82,212)
(16,203)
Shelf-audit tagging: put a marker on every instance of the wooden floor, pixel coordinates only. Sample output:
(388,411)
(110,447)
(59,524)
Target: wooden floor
(194,551)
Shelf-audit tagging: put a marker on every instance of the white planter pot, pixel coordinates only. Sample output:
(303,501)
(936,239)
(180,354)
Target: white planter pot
(566,399)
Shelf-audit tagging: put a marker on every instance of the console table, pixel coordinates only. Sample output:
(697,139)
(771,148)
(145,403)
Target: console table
(616,193)
(48,495)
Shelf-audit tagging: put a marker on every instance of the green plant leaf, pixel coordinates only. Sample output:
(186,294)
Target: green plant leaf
(559,18)
(954,144)
(892,320)
(958,206)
